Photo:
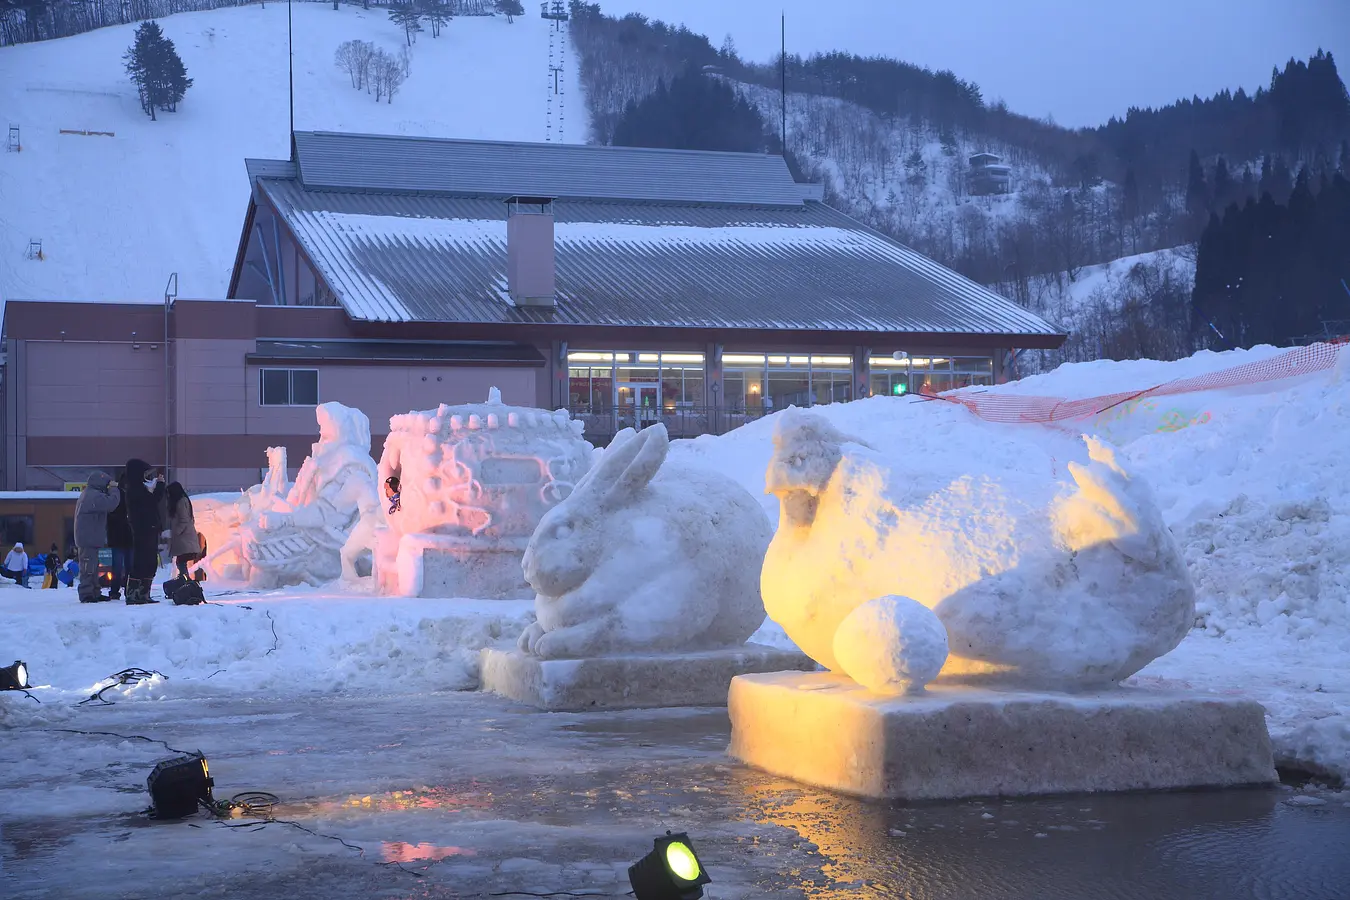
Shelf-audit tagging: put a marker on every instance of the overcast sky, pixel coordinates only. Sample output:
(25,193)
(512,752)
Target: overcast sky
(1080,61)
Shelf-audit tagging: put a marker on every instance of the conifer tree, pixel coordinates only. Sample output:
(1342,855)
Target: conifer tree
(154,66)
(510,9)
(1197,192)
(409,17)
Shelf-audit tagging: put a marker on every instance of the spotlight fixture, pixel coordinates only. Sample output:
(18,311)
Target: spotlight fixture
(178,785)
(671,871)
(15,677)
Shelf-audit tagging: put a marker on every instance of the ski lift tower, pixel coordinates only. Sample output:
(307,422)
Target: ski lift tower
(555,11)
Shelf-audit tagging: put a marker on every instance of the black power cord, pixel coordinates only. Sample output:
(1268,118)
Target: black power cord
(125,737)
(133,675)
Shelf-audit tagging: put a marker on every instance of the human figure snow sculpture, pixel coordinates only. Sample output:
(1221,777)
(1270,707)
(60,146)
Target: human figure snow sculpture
(646,556)
(302,539)
(1083,592)
(271,536)
(474,481)
(221,521)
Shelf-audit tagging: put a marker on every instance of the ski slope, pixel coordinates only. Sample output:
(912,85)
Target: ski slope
(116,215)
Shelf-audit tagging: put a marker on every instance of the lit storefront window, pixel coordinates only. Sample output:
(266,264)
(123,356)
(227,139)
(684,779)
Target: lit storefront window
(928,375)
(779,380)
(650,380)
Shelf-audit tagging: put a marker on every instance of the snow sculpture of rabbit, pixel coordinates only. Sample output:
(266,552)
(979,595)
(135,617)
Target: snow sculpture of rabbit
(646,557)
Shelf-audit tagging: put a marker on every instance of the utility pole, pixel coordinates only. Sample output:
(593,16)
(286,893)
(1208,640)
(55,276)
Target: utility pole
(290,69)
(782,59)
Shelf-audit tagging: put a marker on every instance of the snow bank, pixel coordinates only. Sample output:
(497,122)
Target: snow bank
(1254,483)
(284,642)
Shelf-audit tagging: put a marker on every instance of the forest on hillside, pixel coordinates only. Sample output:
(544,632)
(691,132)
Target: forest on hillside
(891,142)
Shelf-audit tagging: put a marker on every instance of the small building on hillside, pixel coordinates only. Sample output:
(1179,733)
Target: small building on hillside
(988,175)
(630,286)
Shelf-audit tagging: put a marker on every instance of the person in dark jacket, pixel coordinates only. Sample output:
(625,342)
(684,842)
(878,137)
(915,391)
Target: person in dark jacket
(98,501)
(119,541)
(184,544)
(53,565)
(143,493)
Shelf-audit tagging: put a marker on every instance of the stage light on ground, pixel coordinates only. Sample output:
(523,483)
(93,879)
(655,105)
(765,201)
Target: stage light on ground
(177,786)
(15,677)
(672,871)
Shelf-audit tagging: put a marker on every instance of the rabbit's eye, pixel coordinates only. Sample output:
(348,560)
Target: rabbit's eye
(564,531)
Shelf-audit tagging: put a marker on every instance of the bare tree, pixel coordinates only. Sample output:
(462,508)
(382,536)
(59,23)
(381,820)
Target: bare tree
(365,53)
(386,74)
(346,59)
(353,57)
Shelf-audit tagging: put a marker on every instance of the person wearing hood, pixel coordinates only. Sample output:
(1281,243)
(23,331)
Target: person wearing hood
(98,501)
(144,490)
(16,566)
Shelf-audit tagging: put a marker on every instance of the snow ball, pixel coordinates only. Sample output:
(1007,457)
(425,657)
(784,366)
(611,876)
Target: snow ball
(891,645)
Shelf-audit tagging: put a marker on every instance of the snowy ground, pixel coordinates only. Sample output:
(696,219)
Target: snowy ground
(181,179)
(357,709)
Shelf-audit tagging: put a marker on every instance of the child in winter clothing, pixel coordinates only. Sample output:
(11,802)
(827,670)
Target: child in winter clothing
(53,565)
(16,566)
(70,570)
(98,499)
(393,492)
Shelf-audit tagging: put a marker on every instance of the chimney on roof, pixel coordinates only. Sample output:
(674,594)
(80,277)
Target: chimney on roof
(531,276)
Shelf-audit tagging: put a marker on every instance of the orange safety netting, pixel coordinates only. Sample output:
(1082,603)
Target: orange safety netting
(1015,408)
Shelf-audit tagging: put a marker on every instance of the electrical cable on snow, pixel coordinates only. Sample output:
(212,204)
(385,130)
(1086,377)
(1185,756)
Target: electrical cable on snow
(125,737)
(133,675)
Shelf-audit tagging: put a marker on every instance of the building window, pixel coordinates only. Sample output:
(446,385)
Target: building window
(18,530)
(776,381)
(928,375)
(648,379)
(288,387)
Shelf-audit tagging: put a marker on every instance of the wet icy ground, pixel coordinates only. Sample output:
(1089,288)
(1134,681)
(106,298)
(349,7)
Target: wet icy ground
(461,794)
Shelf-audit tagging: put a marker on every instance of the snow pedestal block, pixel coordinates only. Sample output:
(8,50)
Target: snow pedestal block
(952,742)
(630,682)
(435,565)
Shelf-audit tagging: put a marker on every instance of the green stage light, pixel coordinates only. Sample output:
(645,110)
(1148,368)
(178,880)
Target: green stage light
(15,677)
(672,871)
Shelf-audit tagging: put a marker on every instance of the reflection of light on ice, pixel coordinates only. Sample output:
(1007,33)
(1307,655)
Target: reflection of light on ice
(437,798)
(399,852)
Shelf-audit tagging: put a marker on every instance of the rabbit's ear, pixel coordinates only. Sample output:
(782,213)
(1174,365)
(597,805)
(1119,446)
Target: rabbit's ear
(640,458)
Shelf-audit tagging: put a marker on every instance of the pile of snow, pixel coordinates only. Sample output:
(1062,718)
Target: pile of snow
(285,642)
(181,179)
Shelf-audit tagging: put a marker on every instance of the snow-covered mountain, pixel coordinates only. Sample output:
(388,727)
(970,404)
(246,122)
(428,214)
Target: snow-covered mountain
(117,214)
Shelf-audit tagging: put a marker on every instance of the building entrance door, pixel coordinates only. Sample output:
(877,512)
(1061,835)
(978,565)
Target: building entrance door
(638,405)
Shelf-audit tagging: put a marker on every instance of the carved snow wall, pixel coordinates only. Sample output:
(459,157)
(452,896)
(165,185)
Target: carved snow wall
(475,479)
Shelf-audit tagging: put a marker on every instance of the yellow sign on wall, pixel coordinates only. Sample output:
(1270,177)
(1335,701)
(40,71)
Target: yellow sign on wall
(76,486)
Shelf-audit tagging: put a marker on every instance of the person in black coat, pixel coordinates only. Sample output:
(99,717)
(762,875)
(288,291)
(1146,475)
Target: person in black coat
(119,541)
(144,491)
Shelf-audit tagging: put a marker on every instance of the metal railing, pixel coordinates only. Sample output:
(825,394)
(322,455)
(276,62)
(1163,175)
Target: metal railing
(601,424)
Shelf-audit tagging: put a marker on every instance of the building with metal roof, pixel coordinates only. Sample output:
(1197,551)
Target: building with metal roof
(632,286)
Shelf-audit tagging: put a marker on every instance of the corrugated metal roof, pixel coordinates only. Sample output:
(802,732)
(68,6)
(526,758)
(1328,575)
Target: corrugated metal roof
(366,162)
(269,168)
(443,259)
